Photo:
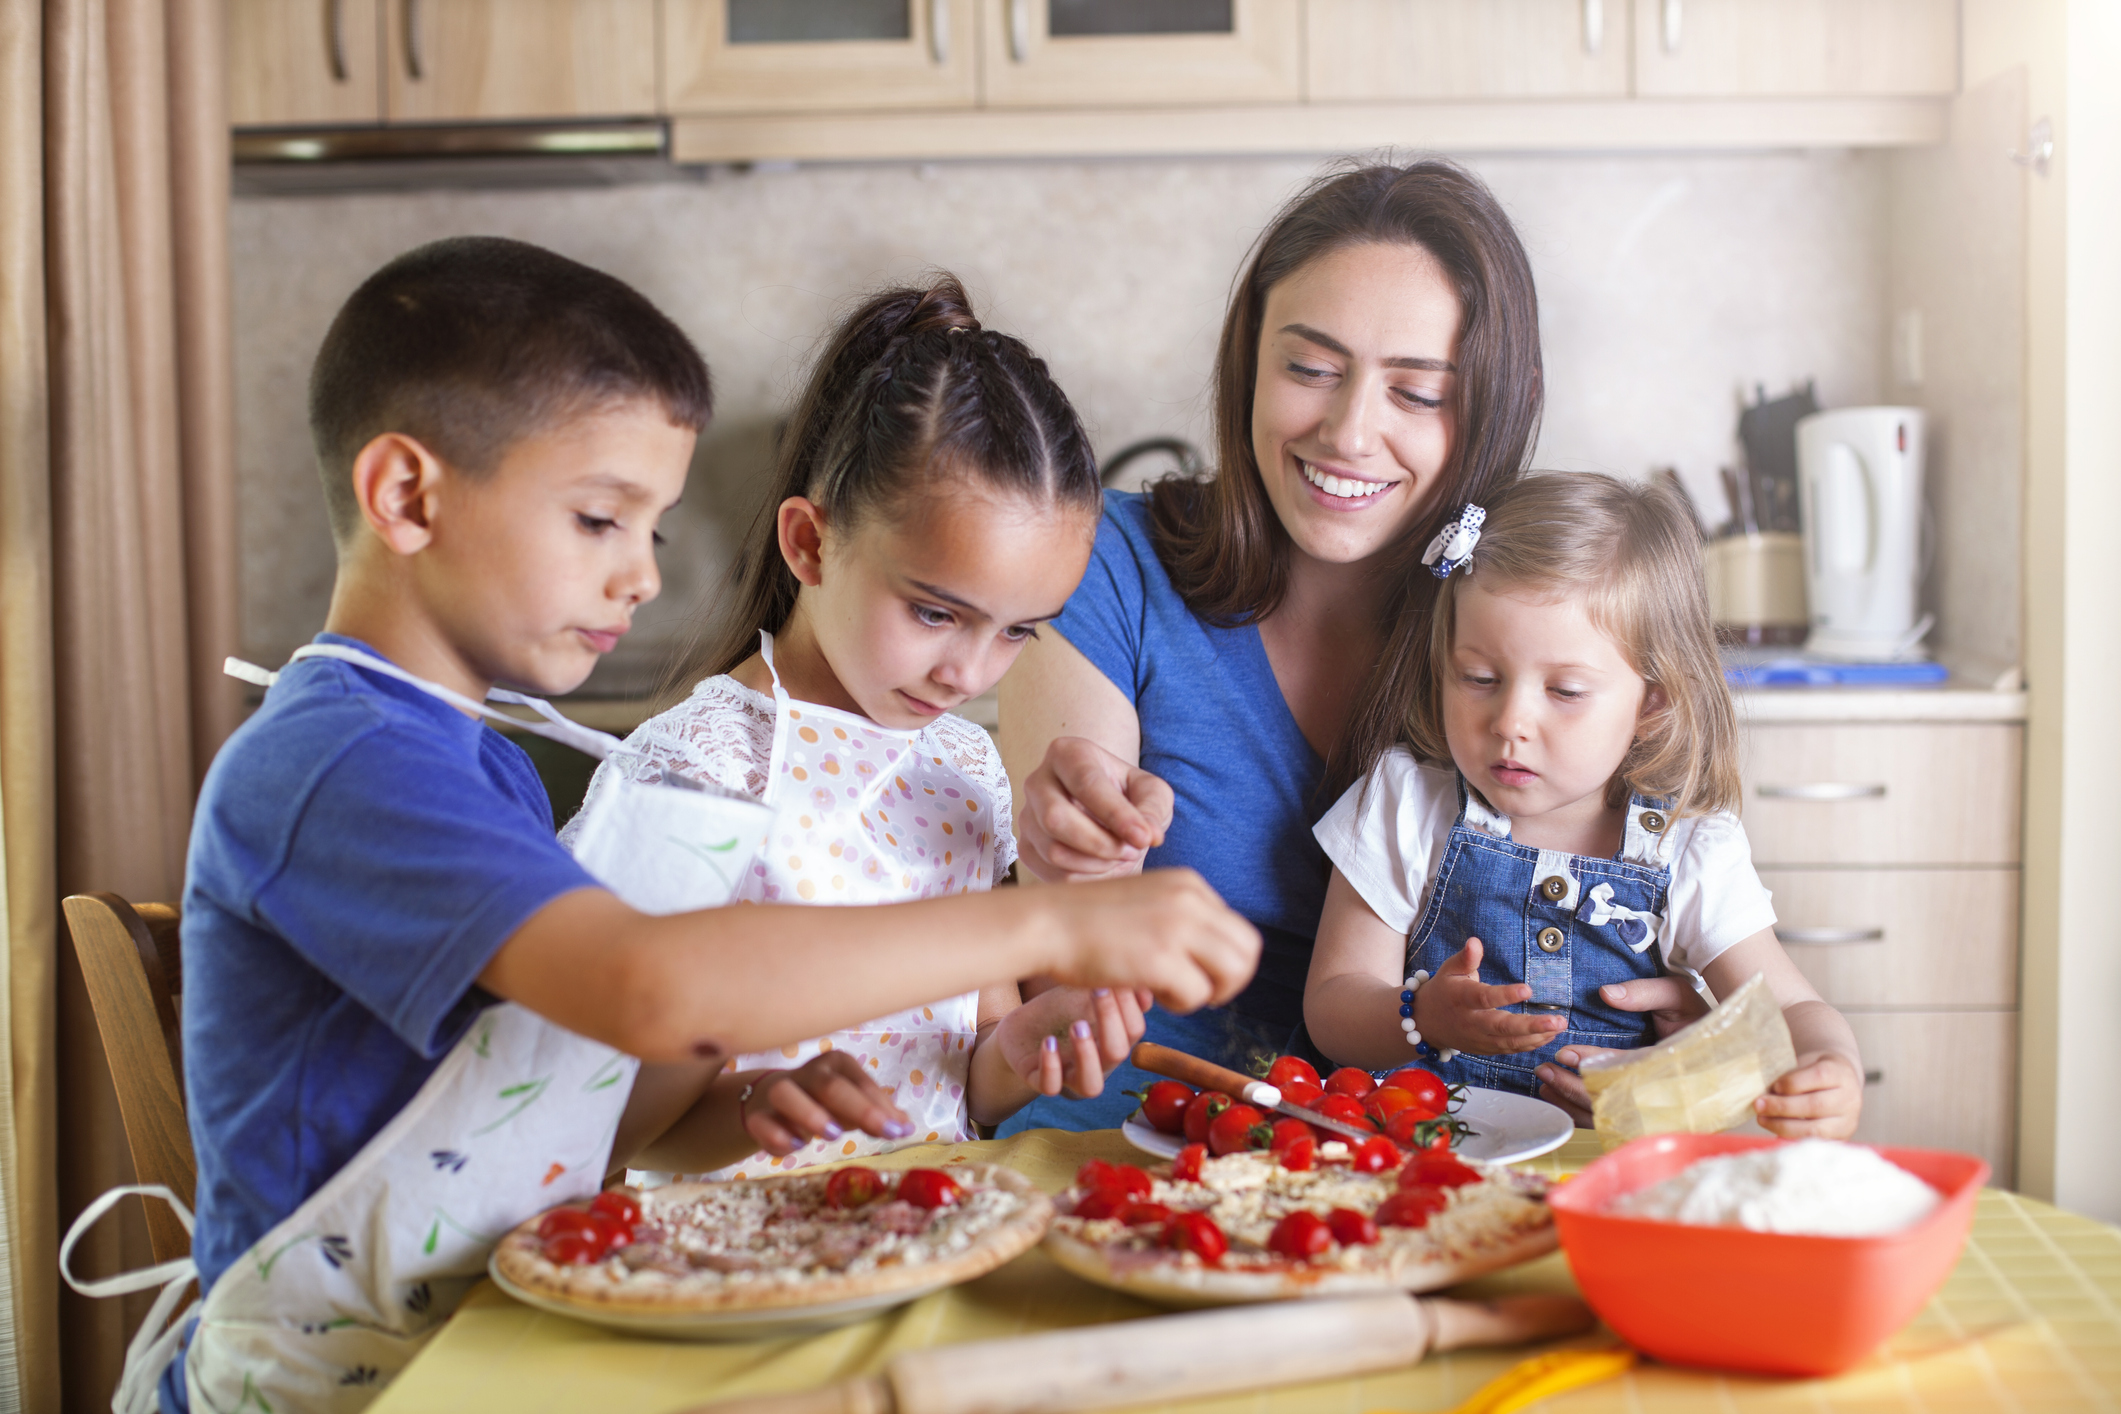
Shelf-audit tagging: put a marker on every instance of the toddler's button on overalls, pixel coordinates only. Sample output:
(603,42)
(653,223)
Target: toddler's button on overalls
(1566,924)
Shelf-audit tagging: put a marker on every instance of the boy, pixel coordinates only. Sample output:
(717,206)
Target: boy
(372,870)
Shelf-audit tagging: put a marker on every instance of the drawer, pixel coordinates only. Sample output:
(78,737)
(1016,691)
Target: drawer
(1907,938)
(1944,1080)
(1883,793)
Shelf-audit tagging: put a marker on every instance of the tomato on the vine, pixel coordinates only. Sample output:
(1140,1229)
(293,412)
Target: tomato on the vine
(1350,1081)
(1164,1105)
(853,1187)
(1287,1132)
(1411,1206)
(1302,1235)
(1186,1167)
(1376,1155)
(1296,1078)
(1233,1131)
(1350,1228)
(1202,1112)
(929,1188)
(1345,1108)
(1386,1101)
(1426,1086)
(1198,1234)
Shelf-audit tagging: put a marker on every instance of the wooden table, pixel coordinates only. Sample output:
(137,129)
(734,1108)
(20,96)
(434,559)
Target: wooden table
(2030,1321)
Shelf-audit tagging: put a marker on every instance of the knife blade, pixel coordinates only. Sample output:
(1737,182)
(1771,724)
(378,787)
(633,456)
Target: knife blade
(1177,1065)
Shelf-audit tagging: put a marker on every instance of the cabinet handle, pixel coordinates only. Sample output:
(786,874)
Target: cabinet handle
(1824,790)
(414,68)
(1829,937)
(1593,26)
(1020,30)
(1874,1077)
(939,30)
(335,37)
(1674,20)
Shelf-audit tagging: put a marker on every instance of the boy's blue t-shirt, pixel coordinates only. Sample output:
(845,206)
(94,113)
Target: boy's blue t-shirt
(360,851)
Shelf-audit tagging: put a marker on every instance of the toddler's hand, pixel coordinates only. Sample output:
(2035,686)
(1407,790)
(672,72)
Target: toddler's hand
(1101,1026)
(1456,1009)
(819,1099)
(1821,1099)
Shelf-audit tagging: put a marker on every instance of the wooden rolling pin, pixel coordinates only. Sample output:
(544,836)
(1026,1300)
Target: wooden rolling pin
(1190,1356)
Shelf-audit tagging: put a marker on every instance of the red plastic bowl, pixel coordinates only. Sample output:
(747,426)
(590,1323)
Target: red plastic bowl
(1728,1298)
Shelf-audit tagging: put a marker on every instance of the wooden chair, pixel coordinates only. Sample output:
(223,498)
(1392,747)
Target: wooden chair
(134,969)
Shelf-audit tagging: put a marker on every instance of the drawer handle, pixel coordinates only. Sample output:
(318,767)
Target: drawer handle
(1593,26)
(335,37)
(1829,937)
(939,30)
(1019,31)
(1874,1077)
(1825,790)
(1674,21)
(415,65)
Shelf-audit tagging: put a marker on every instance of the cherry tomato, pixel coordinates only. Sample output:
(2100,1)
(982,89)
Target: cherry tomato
(853,1187)
(1405,1127)
(1202,1112)
(1300,1235)
(1198,1234)
(1186,1167)
(1350,1228)
(1291,1068)
(1376,1155)
(928,1188)
(1301,1092)
(1439,1168)
(1144,1214)
(1233,1131)
(561,1221)
(1345,1108)
(1350,1081)
(1287,1132)
(1122,1180)
(1386,1101)
(1412,1206)
(618,1203)
(1299,1155)
(1101,1203)
(1164,1105)
(574,1249)
(1425,1086)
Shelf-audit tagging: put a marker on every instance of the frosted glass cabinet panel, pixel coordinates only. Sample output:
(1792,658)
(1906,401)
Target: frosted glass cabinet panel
(817,56)
(1132,53)
(1381,50)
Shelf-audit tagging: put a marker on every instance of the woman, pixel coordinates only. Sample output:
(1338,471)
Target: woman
(1225,670)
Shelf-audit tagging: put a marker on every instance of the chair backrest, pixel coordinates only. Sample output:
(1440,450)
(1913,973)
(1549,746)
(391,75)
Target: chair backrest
(133,964)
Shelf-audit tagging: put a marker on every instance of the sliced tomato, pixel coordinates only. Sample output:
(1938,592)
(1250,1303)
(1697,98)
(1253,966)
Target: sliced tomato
(1123,1181)
(1301,1235)
(1375,1155)
(1236,1129)
(1101,1203)
(618,1203)
(1350,1228)
(1350,1081)
(929,1188)
(561,1221)
(853,1187)
(1164,1105)
(1198,1234)
(1411,1206)
(1426,1086)
(1144,1214)
(1299,1155)
(574,1249)
(1202,1112)
(1186,1167)
(1441,1168)
(613,1233)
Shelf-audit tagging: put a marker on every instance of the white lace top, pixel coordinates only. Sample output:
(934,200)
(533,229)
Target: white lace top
(723,733)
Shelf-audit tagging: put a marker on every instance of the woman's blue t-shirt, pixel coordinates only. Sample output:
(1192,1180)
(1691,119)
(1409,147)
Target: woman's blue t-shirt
(1215,726)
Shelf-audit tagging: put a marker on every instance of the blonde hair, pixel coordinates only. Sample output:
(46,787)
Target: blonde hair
(1634,554)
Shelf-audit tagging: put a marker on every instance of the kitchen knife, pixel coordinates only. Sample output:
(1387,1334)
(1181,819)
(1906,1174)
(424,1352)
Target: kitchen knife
(1162,1060)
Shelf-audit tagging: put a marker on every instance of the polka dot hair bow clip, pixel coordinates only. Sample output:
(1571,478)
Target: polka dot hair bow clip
(1453,546)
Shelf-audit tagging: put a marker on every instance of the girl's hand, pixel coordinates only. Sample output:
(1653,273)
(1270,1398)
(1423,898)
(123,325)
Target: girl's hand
(1821,1099)
(1101,1027)
(1089,815)
(1165,932)
(819,1099)
(1671,1004)
(1456,1009)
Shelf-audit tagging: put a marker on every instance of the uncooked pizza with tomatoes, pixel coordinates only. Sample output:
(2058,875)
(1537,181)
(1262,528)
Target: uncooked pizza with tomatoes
(803,1239)
(1256,1208)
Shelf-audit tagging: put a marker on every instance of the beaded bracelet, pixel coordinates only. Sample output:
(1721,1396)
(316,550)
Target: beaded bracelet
(1444,1054)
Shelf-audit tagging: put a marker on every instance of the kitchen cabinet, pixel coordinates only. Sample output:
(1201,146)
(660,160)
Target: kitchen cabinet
(1362,50)
(1795,48)
(1137,53)
(304,62)
(480,60)
(1892,849)
(784,56)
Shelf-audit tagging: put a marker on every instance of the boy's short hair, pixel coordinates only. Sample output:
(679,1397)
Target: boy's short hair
(470,344)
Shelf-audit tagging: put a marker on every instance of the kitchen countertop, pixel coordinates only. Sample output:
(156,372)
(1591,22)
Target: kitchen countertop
(1950,703)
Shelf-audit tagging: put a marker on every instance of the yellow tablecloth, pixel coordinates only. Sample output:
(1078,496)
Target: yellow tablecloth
(2030,1321)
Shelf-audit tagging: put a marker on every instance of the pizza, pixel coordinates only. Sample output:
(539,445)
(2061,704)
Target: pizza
(1246,1227)
(769,1244)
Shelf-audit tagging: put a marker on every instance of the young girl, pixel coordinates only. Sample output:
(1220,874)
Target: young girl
(935,499)
(1557,820)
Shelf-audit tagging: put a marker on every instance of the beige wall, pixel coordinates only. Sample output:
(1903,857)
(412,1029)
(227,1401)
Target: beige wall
(1668,283)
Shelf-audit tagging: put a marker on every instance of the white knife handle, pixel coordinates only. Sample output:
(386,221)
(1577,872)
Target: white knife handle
(1260,1093)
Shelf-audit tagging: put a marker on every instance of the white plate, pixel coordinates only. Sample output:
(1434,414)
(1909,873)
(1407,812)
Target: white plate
(1507,1128)
(722,1325)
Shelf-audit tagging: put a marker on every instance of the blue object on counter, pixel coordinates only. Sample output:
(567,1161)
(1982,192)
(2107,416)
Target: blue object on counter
(1824,672)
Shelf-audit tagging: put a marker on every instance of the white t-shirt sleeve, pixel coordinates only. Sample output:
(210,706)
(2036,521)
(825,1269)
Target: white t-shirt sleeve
(1387,835)
(1715,899)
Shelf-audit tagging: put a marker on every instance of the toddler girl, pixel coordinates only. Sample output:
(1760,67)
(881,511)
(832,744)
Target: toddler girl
(1557,820)
(935,499)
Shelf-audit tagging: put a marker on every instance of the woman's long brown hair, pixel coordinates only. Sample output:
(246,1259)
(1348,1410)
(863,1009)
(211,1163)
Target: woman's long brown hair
(1219,538)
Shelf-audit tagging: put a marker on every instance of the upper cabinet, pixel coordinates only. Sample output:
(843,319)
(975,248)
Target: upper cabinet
(468,60)
(1796,48)
(1135,53)
(304,61)
(786,56)
(1371,50)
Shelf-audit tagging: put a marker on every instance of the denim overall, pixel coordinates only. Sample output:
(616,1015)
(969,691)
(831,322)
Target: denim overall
(1566,924)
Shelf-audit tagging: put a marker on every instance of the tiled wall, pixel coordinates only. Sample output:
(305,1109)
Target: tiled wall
(1668,284)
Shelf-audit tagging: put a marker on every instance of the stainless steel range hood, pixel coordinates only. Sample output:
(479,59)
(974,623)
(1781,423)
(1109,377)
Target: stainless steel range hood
(402,156)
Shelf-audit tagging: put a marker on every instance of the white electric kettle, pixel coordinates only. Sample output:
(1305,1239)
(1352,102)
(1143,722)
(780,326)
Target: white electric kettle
(1859,489)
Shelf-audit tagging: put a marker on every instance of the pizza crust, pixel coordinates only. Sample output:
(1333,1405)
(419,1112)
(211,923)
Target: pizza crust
(1001,1215)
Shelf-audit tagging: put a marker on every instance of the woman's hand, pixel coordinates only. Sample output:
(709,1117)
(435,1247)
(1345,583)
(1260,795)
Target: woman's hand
(820,1099)
(1670,1003)
(1455,1009)
(1820,1099)
(1087,814)
(1100,1028)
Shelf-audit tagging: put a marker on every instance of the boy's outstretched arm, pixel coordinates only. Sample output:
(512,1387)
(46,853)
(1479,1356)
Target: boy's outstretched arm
(725,981)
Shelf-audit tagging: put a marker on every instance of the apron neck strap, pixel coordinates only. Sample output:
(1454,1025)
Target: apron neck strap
(778,756)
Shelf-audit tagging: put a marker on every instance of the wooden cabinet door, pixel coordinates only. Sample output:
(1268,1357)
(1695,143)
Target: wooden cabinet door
(1882,793)
(1941,1080)
(812,56)
(304,61)
(1370,50)
(1136,53)
(1796,48)
(468,60)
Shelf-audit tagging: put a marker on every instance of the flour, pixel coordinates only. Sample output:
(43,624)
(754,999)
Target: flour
(1814,1186)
